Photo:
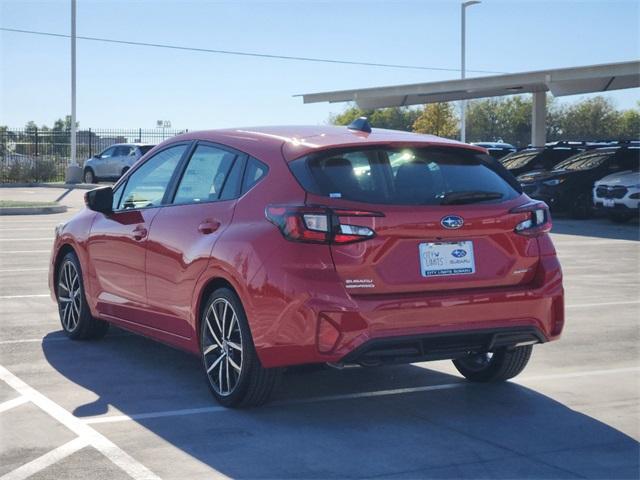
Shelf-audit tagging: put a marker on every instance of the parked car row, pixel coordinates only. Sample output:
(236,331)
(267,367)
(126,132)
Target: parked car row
(577,178)
(113,161)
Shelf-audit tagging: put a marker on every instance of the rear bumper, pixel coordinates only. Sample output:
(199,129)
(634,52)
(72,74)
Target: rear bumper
(421,326)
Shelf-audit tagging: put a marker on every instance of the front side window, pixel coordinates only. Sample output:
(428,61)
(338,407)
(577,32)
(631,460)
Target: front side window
(205,175)
(109,152)
(147,185)
(410,176)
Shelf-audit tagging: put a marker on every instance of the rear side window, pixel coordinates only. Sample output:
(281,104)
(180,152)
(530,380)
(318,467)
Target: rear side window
(254,172)
(409,176)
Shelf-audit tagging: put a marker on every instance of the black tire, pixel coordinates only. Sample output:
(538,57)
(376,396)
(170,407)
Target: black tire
(250,386)
(75,316)
(503,364)
(620,217)
(582,207)
(89,176)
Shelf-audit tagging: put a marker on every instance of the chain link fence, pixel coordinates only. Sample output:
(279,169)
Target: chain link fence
(42,155)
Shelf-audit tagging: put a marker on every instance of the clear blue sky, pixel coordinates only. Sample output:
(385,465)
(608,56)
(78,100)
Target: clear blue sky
(131,86)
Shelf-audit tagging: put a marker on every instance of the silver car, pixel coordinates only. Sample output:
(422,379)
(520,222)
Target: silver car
(113,162)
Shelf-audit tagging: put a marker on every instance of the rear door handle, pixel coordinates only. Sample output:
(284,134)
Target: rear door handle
(140,233)
(208,226)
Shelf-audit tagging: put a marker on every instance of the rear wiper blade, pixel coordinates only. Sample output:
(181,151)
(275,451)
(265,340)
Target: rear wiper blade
(459,198)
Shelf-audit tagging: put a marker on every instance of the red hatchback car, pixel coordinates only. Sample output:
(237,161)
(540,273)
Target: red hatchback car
(263,248)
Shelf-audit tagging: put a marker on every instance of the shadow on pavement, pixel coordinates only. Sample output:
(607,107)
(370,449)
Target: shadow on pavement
(473,431)
(597,227)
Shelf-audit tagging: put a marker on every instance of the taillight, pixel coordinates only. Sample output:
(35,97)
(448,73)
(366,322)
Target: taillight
(319,224)
(538,219)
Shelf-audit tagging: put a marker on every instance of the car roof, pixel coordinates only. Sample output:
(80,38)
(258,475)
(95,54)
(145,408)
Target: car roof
(296,141)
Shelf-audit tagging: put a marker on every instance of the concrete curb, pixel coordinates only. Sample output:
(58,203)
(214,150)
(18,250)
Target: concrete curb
(80,186)
(32,210)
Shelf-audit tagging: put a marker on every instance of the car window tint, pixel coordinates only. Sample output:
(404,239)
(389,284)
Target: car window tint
(145,148)
(254,172)
(147,185)
(232,185)
(205,175)
(117,194)
(411,176)
(109,152)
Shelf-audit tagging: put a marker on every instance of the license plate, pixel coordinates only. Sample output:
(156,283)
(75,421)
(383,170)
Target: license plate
(446,258)
(608,202)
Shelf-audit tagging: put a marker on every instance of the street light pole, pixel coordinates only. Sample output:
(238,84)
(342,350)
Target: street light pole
(74,160)
(463,61)
(74,172)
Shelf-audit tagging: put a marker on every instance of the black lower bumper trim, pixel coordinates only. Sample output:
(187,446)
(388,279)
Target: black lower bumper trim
(440,346)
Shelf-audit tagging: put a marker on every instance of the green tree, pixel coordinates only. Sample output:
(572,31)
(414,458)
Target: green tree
(396,118)
(437,119)
(592,119)
(630,124)
(483,121)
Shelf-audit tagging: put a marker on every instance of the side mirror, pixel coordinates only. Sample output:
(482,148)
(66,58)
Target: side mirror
(100,200)
(97,155)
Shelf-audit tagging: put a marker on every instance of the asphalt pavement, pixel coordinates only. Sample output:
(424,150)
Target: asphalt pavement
(126,407)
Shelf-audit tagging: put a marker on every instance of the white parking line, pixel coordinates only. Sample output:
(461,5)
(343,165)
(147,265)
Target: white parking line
(32,340)
(10,270)
(26,229)
(37,239)
(603,304)
(11,297)
(195,411)
(109,449)
(348,396)
(46,460)
(60,338)
(25,251)
(9,404)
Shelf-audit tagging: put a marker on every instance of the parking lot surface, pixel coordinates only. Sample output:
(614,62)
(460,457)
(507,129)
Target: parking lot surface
(126,407)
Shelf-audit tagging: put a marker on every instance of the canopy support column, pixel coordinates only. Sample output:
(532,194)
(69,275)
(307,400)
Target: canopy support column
(539,119)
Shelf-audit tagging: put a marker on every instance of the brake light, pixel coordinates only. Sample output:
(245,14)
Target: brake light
(538,219)
(319,224)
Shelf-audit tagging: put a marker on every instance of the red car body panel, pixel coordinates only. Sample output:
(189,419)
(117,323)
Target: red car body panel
(295,294)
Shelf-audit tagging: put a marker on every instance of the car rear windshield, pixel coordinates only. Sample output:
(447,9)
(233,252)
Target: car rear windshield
(519,159)
(145,148)
(407,176)
(584,161)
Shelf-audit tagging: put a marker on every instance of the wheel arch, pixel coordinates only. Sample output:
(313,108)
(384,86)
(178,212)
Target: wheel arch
(62,252)
(211,285)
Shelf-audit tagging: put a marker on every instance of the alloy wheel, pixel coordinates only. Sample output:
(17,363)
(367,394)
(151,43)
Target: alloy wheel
(222,347)
(69,296)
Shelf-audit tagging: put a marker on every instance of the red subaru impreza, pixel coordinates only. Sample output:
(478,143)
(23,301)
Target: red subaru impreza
(263,248)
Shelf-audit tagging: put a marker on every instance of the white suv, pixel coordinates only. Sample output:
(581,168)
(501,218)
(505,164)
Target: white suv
(112,162)
(618,195)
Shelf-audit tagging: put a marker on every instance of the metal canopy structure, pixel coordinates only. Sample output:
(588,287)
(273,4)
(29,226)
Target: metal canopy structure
(560,82)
